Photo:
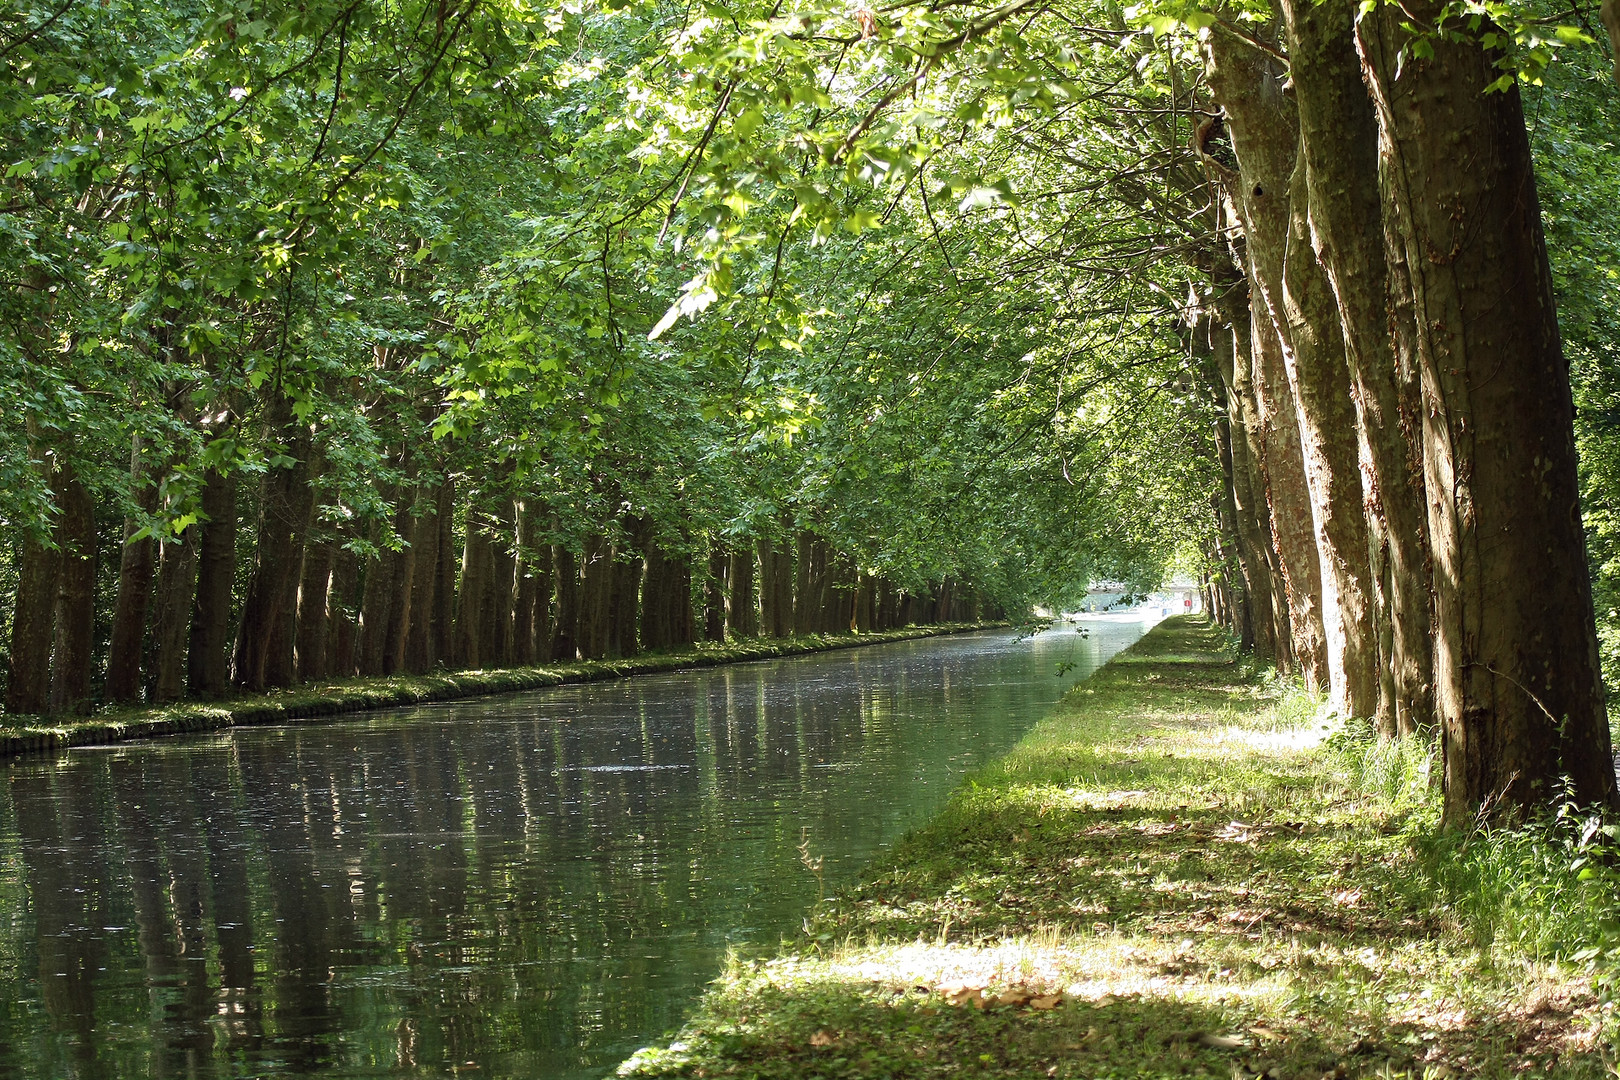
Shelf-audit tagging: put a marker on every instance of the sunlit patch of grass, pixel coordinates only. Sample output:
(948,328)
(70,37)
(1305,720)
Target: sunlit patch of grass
(1185,870)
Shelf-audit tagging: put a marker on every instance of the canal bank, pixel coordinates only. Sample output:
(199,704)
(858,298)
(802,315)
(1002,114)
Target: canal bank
(33,734)
(1181,871)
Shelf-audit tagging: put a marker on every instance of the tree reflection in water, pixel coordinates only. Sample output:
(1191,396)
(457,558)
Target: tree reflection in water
(531,885)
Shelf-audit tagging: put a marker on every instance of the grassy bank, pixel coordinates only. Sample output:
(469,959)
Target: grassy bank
(28,734)
(1182,872)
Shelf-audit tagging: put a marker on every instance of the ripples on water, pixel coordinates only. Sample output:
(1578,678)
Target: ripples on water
(531,886)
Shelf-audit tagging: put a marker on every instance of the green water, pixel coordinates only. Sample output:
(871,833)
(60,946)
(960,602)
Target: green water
(527,886)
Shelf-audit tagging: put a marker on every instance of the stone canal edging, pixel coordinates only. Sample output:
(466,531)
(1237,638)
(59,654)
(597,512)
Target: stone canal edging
(32,735)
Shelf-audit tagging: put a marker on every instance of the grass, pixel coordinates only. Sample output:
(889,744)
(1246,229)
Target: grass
(1185,872)
(32,734)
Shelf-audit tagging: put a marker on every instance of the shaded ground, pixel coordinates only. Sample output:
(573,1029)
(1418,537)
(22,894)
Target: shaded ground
(1170,876)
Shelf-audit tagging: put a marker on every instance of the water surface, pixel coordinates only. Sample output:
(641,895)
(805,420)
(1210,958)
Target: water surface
(524,886)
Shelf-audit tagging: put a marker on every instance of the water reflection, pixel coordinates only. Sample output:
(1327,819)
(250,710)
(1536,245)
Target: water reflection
(532,894)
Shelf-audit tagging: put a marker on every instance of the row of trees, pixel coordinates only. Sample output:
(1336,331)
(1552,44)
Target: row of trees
(297,395)
(1399,408)
(371,303)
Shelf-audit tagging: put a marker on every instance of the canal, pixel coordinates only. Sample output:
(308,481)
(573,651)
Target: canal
(525,886)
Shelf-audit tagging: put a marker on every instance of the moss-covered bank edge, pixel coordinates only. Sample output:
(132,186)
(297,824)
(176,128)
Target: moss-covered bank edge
(31,735)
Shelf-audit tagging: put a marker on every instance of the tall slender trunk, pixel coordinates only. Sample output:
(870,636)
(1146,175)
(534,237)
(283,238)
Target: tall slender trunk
(624,618)
(806,601)
(498,630)
(136,566)
(741,613)
(475,570)
(1517,684)
(208,657)
(714,594)
(75,598)
(33,628)
(565,633)
(544,574)
(402,584)
(776,616)
(171,616)
(528,589)
(442,624)
(1320,377)
(343,613)
(418,656)
(376,599)
(1249,84)
(1339,145)
(310,644)
(596,596)
(263,655)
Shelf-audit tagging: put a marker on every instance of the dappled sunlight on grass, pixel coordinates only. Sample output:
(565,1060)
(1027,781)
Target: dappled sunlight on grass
(1171,875)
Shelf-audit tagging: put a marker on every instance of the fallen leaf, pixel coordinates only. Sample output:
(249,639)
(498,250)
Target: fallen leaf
(1220,1042)
(1046,1001)
(1013,997)
(821,1038)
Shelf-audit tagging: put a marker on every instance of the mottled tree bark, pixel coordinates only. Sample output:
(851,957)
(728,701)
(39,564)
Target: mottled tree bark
(776,589)
(472,595)
(1249,85)
(1517,686)
(1339,145)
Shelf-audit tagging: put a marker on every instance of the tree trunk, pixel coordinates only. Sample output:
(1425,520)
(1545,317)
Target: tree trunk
(476,568)
(565,632)
(171,616)
(208,659)
(136,566)
(284,511)
(442,626)
(402,585)
(714,595)
(524,651)
(498,631)
(596,597)
(33,628)
(625,617)
(1339,145)
(775,602)
(376,601)
(1517,685)
(75,598)
(741,613)
(1249,84)
(342,614)
(419,656)
(313,624)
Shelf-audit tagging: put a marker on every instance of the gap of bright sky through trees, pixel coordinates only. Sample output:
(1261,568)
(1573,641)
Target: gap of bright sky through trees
(365,338)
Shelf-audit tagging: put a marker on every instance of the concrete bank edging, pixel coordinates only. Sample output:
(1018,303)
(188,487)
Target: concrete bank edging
(340,699)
